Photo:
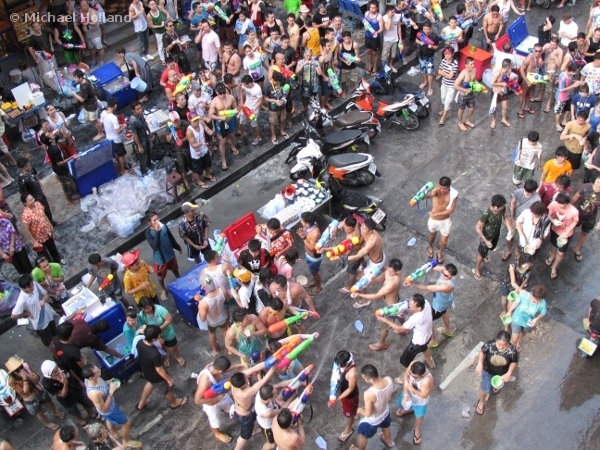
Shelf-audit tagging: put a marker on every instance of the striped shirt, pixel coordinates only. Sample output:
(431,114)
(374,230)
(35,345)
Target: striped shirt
(451,67)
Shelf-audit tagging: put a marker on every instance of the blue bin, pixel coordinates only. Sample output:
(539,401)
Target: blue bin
(520,38)
(110,79)
(184,289)
(93,168)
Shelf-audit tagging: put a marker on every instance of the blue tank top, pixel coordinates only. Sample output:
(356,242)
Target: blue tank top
(373,22)
(103,387)
(443,300)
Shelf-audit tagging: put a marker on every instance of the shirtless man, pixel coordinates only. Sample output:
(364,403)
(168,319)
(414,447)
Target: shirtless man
(390,291)
(274,313)
(493,25)
(245,335)
(552,56)
(243,397)
(309,232)
(231,62)
(500,88)
(351,229)
(287,437)
(293,31)
(327,61)
(443,203)
(466,97)
(291,293)
(532,63)
(372,249)
(225,126)
(66,439)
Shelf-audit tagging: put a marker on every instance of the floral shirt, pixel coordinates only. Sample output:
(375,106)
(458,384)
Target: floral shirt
(40,227)
(284,240)
(194,229)
(131,280)
(6,232)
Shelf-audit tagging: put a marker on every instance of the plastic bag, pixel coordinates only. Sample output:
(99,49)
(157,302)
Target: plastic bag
(274,206)
(124,226)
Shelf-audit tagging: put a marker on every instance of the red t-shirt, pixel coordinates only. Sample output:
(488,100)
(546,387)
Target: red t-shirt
(165,74)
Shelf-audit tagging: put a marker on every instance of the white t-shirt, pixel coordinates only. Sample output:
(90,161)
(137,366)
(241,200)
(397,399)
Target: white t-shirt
(210,46)
(111,124)
(420,323)
(592,77)
(530,153)
(254,66)
(571,29)
(261,408)
(40,317)
(253,96)
(391,35)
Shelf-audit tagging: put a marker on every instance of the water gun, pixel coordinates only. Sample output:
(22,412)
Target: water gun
(287,359)
(512,84)
(255,357)
(299,404)
(437,9)
(249,113)
(535,78)
(68,46)
(468,23)
(326,234)
(401,47)
(294,384)
(449,37)
(217,389)
(106,281)
(231,280)
(369,28)
(284,350)
(421,193)
(284,71)
(334,384)
(283,324)
(173,132)
(365,280)
(183,84)
(333,79)
(424,38)
(220,13)
(420,272)
(229,113)
(350,58)
(45,54)
(285,88)
(220,243)
(393,310)
(342,248)
(475,86)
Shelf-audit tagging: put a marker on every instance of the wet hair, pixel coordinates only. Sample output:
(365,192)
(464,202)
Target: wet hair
(369,371)
(418,368)
(152,332)
(342,358)
(350,221)
(247,79)
(22,162)
(238,379)
(64,331)
(266,392)
(572,47)
(291,255)
(562,198)
(396,264)
(498,200)
(145,302)
(538,291)
(273,223)
(277,76)
(25,280)
(495,8)
(210,255)
(111,102)
(78,73)
(530,186)
(222,363)
(285,418)
(584,114)
(67,433)
(254,245)
(346,33)
(564,181)
(276,304)
(460,8)
(308,217)
(370,224)
(445,181)
(40,260)
(419,300)
(228,78)
(561,151)
(100,326)
(526,258)
(88,371)
(280,280)
(503,336)
(239,314)
(538,208)
(533,136)
(131,313)
(451,268)
(95,258)
(265,275)
(427,24)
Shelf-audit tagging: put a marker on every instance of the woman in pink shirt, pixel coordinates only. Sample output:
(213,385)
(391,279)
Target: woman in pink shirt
(285,263)
(564,218)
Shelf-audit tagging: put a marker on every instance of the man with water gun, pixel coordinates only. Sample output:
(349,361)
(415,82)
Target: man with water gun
(372,249)
(466,96)
(224,125)
(443,204)
(351,229)
(452,34)
(532,64)
(373,23)
(347,392)
(99,269)
(293,294)
(309,232)
(285,435)
(252,100)
(347,52)
(390,291)
(501,82)
(428,42)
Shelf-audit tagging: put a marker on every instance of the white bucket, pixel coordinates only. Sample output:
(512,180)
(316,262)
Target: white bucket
(138,84)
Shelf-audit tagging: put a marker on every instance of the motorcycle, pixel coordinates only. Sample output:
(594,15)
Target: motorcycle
(330,143)
(351,169)
(356,204)
(8,397)
(588,345)
(384,85)
(354,120)
(399,109)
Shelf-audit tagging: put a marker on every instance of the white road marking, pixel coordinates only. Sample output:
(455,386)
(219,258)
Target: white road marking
(335,277)
(153,422)
(464,363)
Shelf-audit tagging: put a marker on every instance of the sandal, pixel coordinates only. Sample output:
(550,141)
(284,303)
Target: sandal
(440,260)
(235,151)
(181,361)
(63,262)
(211,179)
(344,436)
(382,439)
(547,110)
(506,123)
(430,253)
(578,256)
(434,345)
(378,348)
(359,305)
(52,426)
(417,440)
(167,362)
(477,277)
(444,332)
(142,408)
(553,275)
(182,401)
(224,168)
(59,415)
(285,136)
(479,410)
(506,255)
(549,261)
(202,185)
(255,142)
(274,141)
(225,438)
(316,291)
(530,111)
(521,115)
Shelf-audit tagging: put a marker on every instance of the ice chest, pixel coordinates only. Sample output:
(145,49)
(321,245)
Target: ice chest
(519,37)
(241,231)
(93,168)
(184,289)
(115,316)
(114,83)
(121,368)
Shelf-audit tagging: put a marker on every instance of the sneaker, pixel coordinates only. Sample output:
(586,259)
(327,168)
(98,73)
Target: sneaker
(194,375)
(559,128)
(149,57)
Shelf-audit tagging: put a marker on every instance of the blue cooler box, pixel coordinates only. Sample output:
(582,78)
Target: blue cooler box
(184,289)
(122,368)
(93,168)
(114,83)
(519,37)
(115,316)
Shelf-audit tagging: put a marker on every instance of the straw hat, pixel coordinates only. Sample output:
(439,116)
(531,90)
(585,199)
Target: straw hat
(14,363)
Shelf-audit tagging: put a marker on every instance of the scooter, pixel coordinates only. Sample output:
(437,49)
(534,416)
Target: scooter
(351,169)
(356,204)
(589,344)
(384,85)
(399,109)
(330,143)
(321,120)
(8,397)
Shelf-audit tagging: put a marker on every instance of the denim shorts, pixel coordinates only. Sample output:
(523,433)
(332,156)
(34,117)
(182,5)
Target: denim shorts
(486,382)
(516,329)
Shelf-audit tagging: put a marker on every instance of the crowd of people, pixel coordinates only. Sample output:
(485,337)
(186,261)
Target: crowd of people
(249,59)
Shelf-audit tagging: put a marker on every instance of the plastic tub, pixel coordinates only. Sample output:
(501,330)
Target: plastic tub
(138,84)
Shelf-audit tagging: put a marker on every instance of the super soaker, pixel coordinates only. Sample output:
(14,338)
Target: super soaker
(106,281)
(513,85)
(248,113)
(437,10)
(420,272)
(217,389)
(475,86)
(421,193)
(220,13)
(333,80)
(173,132)
(369,28)
(424,38)
(342,248)
(468,23)
(351,58)
(283,324)
(279,354)
(535,78)
(298,406)
(183,84)
(220,243)
(287,359)
(229,113)
(293,385)
(365,280)
(284,71)
(334,384)
(326,236)
(393,310)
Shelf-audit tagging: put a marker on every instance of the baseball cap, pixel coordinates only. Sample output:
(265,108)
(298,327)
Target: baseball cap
(220,89)
(196,86)
(174,116)
(207,283)
(243,275)
(192,117)
(47,368)
(304,9)
(187,206)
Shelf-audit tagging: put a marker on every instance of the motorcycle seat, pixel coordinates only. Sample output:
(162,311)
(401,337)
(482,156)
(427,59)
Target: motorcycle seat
(339,137)
(391,99)
(352,118)
(347,159)
(407,88)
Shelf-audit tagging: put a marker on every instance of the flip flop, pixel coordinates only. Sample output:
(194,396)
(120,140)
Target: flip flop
(225,438)
(235,151)
(344,437)
(493,125)
(359,305)
(373,348)
(436,345)
(506,255)
(202,185)
(183,401)
(285,136)
(382,439)
(444,332)
(224,168)
(181,362)
(553,275)
(59,415)
(477,277)
(274,141)
(133,444)
(417,440)
(469,124)
(211,179)
(547,110)
(429,254)
(530,111)
(521,115)
(548,262)
(315,292)
(505,123)
(578,256)
(52,426)
(479,410)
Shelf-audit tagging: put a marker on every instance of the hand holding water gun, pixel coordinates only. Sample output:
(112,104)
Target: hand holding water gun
(248,113)
(294,384)
(283,324)
(535,78)
(475,86)
(334,384)
(106,281)
(468,23)
(512,84)
(284,71)
(342,248)
(393,310)
(333,80)
(217,389)
(365,280)
(220,243)
(351,58)
(183,84)
(426,40)
(284,350)
(298,406)
(228,113)
(437,9)
(420,272)
(173,132)
(220,13)
(288,358)
(326,236)
(369,28)
(421,193)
